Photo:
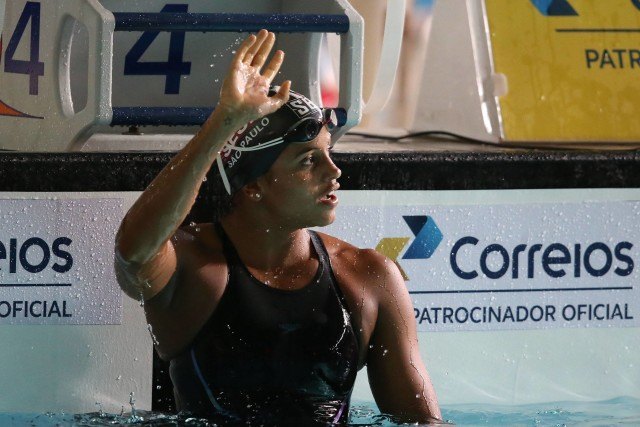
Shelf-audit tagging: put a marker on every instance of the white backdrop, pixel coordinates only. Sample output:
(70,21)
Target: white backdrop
(575,362)
(107,354)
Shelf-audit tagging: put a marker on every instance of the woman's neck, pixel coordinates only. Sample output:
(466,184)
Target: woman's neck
(267,246)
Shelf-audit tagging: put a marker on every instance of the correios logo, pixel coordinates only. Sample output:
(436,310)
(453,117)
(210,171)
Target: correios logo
(472,258)
(427,238)
(469,256)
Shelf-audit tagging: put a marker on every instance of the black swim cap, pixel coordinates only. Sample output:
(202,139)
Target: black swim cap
(251,151)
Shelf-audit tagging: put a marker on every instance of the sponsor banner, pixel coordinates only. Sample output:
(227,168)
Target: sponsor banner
(56,261)
(572,68)
(508,266)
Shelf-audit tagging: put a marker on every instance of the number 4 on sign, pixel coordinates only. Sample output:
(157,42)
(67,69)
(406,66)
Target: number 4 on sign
(33,67)
(173,69)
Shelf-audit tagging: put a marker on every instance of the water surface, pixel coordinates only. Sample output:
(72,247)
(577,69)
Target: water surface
(616,412)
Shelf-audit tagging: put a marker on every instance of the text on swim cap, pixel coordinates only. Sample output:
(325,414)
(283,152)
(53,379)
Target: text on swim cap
(231,156)
(300,105)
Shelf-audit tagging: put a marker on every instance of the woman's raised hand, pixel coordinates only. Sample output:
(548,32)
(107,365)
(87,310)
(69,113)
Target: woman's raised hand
(245,90)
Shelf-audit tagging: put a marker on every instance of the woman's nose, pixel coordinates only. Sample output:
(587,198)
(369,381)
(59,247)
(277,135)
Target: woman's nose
(334,171)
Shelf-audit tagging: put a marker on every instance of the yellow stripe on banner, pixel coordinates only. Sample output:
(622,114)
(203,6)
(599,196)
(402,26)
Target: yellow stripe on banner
(391,247)
(571,77)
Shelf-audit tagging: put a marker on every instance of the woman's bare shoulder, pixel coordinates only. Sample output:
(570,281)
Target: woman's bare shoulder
(359,260)
(198,238)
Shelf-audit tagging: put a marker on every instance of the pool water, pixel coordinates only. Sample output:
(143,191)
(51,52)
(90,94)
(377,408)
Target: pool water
(615,412)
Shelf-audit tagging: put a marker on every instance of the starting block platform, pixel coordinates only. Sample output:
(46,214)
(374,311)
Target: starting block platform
(71,69)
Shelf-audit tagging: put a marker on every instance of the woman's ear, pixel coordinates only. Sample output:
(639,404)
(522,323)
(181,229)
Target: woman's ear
(253,191)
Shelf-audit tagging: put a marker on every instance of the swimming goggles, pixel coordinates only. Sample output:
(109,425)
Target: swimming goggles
(308,128)
(301,132)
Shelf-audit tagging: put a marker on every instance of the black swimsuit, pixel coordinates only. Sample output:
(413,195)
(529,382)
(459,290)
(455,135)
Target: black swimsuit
(271,357)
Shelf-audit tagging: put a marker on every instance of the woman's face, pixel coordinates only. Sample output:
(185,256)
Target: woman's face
(300,186)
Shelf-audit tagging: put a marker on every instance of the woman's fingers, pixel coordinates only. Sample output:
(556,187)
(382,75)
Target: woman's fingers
(254,52)
(243,49)
(255,48)
(262,53)
(282,96)
(274,66)
(245,84)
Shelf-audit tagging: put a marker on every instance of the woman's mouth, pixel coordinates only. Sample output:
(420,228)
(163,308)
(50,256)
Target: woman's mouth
(330,199)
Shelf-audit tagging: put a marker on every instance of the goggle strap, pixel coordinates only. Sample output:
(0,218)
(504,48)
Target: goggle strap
(223,175)
(262,146)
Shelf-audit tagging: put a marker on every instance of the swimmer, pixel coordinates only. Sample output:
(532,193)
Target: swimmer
(264,321)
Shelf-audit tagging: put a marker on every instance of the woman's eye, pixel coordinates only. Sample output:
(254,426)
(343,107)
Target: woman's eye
(308,161)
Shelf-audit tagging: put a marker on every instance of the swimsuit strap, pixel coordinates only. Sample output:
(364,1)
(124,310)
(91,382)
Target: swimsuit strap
(319,247)
(326,261)
(321,250)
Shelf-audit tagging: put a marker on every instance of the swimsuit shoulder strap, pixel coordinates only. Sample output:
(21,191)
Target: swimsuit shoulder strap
(321,250)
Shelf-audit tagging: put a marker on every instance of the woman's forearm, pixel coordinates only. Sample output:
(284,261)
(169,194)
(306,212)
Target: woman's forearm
(165,203)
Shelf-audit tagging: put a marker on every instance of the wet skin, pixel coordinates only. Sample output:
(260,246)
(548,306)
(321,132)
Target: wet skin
(293,198)
(181,273)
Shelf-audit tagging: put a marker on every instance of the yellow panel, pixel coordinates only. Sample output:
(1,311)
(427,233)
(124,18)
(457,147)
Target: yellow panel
(391,247)
(571,78)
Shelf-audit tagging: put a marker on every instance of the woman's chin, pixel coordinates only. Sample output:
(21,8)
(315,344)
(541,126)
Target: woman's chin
(327,219)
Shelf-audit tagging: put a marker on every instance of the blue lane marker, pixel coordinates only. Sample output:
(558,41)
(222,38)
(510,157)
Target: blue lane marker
(160,116)
(234,22)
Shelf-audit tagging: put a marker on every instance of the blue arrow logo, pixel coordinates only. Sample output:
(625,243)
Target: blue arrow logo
(428,237)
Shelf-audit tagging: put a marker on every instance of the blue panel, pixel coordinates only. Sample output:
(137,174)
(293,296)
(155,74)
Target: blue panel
(415,223)
(160,116)
(175,116)
(555,7)
(236,22)
(427,239)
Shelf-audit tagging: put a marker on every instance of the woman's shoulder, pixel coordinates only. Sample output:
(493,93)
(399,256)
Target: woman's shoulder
(350,257)
(197,245)
(200,236)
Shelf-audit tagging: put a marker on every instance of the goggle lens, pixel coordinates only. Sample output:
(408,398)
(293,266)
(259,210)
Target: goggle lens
(308,129)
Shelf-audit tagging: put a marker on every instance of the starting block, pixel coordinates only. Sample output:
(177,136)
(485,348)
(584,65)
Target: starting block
(73,68)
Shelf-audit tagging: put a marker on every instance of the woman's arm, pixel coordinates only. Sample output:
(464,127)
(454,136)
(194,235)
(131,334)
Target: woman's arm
(145,256)
(397,375)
